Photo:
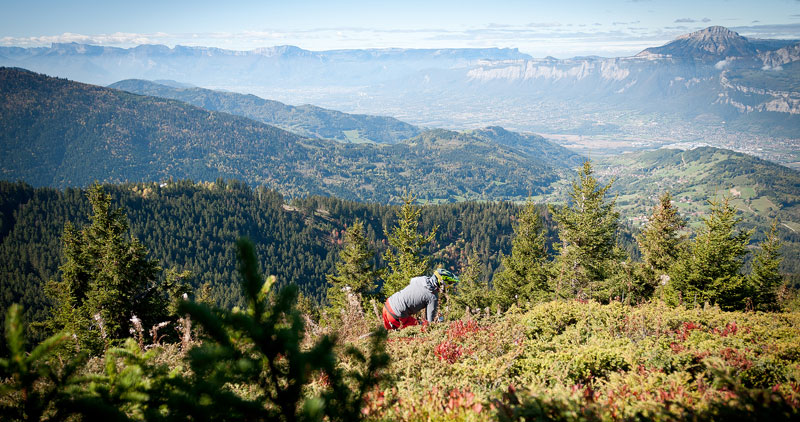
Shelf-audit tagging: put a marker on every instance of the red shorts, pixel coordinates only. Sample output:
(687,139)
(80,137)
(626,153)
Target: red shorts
(392,322)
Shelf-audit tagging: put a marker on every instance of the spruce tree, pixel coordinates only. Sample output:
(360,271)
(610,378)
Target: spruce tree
(661,242)
(765,278)
(472,291)
(106,279)
(404,255)
(524,276)
(712,269)
(587,229)
(354,272)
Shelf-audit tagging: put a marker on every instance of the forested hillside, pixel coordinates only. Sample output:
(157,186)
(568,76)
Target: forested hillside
(760,190)
(306,120)
(59,133)
(194,227)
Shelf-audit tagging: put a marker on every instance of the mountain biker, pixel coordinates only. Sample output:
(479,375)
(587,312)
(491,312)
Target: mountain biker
(421,292)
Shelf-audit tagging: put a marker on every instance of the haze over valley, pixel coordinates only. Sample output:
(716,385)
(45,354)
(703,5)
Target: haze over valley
(710,87)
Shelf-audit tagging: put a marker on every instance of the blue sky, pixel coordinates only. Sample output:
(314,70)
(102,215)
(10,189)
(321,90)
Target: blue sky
(559,28)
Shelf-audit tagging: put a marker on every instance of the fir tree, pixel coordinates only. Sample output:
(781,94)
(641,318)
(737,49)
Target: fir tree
(106,279)
(712,270)
(765,278)
(404,255)
(524,276)
(587,228)
(473,290)
(355,272)
(661,242)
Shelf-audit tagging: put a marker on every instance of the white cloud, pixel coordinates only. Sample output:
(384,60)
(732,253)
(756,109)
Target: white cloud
(538,39)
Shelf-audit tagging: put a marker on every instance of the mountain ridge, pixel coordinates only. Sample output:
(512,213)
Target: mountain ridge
(306,120)
(712,43)
(61,133)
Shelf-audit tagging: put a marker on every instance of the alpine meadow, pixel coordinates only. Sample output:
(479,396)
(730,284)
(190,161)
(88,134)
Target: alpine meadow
(424,211)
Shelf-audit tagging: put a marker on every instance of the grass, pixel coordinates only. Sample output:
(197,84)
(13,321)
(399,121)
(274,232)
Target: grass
(354,136)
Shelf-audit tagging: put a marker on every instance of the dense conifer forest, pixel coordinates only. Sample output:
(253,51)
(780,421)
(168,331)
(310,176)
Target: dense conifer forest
(193,227)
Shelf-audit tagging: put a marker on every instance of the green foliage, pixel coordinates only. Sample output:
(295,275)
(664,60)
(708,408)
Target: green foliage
(253,366)
(355,272)
(106,280)
(34,386)
(587,229)
(193,227)
(712,270)
(525,273)
(662,243)
(765,279)
(473,291)
(661,240)
(405,255)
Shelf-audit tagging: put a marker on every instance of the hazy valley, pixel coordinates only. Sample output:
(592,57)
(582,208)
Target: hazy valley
(711,87)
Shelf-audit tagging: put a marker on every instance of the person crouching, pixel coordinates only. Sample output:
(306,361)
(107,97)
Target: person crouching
(421,293)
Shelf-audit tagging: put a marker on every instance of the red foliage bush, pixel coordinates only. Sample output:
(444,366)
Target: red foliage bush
(460,329)
(449,351)
(735,358)
(685,329)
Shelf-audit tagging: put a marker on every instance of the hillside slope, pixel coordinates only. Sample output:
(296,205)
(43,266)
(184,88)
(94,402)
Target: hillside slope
(59,133)
(306,120)
(759,189)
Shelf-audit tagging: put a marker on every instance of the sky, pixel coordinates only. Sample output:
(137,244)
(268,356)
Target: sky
(559,28)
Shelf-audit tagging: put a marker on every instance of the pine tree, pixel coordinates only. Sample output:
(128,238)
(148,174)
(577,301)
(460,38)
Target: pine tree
(404,255)
(524,276)
(106,279)
(661,242)
(765,278)
(472,291)
(712,270)
(587,228)
(355,272)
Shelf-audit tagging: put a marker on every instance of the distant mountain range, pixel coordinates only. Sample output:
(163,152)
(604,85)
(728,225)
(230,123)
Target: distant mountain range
(283,66)
(59,133)
(306,120)
(712,86)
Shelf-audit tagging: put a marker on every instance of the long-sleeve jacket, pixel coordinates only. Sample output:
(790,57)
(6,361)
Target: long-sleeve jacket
(421,292)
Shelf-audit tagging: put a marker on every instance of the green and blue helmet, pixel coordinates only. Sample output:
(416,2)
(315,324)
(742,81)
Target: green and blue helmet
(446,278)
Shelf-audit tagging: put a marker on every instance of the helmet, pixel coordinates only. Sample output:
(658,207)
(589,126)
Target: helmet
(446,278)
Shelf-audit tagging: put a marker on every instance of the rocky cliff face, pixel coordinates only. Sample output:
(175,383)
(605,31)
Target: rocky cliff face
(780,57)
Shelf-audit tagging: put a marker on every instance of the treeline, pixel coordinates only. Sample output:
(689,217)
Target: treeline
(193,227)
(707,267)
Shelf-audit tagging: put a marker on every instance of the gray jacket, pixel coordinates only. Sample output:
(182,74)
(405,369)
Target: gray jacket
(421,292)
